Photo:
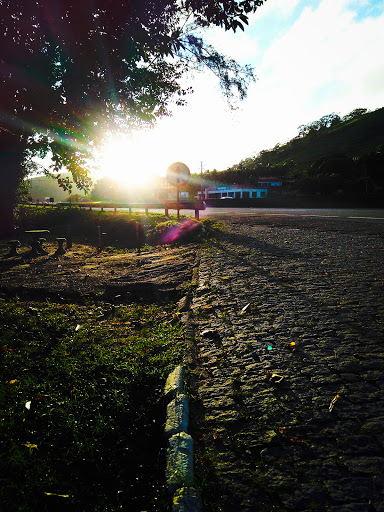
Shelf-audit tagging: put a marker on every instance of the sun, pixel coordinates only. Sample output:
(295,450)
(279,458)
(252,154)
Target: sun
(130,160)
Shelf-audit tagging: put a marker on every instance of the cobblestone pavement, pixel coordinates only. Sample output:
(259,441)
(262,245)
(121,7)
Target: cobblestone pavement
(287,404)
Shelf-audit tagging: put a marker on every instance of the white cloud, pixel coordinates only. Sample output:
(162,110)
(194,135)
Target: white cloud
(279,8)
(326,62)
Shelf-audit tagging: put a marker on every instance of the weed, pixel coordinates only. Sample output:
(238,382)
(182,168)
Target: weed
(206,480)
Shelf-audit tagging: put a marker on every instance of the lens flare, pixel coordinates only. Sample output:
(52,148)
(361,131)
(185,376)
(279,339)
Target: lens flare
(177,232)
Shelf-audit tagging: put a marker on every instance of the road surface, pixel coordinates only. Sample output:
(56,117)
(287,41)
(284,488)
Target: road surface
(345,220)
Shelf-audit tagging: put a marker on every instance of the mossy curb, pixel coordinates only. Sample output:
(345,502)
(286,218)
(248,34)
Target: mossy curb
(179,470)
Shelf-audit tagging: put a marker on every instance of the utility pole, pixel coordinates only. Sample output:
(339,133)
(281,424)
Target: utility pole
(201,180)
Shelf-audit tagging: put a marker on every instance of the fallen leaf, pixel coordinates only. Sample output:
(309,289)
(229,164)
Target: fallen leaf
(58,495)
(245,308)
(31,446)
(333,402)
(294,440)
(13,381)
(275,378)
(28,405)
(283,430)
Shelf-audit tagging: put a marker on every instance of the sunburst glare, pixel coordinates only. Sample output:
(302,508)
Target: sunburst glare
(130,159)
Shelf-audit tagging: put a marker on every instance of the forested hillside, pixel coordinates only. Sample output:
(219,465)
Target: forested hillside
(331,156)
(44,186)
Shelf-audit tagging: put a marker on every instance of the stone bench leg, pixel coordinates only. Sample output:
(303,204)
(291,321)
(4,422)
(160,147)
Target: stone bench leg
(14,244)
(41,250)
(60,249)
(35,249)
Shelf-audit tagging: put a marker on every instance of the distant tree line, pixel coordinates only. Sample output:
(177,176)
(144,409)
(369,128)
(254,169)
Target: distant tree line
(342,156)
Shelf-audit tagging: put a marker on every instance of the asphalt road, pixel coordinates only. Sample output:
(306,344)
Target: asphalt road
(296,213)
(365,221)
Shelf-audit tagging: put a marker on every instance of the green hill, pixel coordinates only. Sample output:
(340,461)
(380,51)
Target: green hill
(41,187)
(356,137)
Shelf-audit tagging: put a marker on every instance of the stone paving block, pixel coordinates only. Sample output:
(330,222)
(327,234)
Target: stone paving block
(350,489)
(366,465)
(352,507)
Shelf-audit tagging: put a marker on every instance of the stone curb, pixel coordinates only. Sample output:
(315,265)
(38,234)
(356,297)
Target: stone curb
(177,416)
(174,383)
(179,468)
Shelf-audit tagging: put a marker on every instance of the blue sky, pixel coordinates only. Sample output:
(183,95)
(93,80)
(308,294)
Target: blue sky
(311,58)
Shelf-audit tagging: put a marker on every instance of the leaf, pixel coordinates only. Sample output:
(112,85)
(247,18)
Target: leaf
(28,405)
(245,309)
(275,378)
(58,495)
(333,403)
(77,327)
(283,432)
(13,381)
(294,440)
(31,446)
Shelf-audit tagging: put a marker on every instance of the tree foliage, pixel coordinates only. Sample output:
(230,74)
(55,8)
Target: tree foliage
(320,125)
(72,71)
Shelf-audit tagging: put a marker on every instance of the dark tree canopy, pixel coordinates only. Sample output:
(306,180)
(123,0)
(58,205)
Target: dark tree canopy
(72,70)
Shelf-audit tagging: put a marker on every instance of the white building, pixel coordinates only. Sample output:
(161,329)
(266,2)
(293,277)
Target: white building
(233,192)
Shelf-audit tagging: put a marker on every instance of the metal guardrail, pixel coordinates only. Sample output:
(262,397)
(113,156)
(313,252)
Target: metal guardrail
(197,206)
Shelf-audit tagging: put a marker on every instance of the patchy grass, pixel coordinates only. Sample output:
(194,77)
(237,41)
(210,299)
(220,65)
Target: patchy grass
(81,407)
(81,384)
(123,229)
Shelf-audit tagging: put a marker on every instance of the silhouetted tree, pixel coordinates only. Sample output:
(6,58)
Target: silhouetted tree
(72,71)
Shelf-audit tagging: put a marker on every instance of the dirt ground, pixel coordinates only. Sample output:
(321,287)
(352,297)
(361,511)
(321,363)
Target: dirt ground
(85,273)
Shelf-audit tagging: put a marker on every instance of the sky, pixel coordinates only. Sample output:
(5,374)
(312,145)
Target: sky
(310,57)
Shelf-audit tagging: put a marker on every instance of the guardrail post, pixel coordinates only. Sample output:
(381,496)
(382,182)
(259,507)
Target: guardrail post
(69,237)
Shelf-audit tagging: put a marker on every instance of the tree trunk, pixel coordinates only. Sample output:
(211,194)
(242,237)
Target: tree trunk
(11,174)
